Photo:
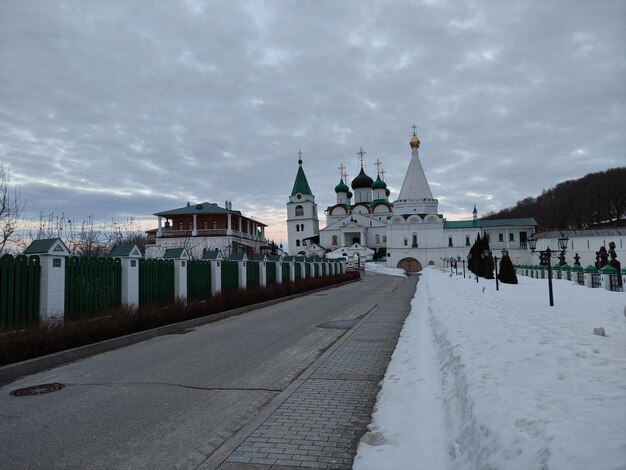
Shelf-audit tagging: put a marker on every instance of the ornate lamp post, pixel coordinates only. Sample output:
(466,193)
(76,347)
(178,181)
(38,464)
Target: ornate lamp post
(546,257)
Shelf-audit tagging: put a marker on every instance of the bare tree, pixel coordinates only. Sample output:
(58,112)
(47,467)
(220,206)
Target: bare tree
(11,207)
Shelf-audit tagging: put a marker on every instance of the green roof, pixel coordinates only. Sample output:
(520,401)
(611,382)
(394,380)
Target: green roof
(259,257)
(239,256)
(301,185)
(379,184)
(341,187)
(201,208)
(211,254)
(461,224)
(44,246)
(125,249)
(608,269)
(289,258)
(174,253)
(275,258)
(521,222)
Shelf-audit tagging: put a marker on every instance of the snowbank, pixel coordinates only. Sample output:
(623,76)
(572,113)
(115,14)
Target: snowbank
(500,380)
(382,269)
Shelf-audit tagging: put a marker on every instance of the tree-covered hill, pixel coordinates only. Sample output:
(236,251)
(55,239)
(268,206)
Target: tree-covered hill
(597,199)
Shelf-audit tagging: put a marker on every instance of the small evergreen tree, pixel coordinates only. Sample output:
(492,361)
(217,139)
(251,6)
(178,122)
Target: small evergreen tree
(507,271)
(473,263)
(487,262)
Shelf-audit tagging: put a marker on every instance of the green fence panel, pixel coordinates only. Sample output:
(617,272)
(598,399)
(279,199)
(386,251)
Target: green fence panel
(91,285)
(252,274)
(156,281)
(307,270)
(198,279)
(20,278)
(286,275)
(270,273)
(230,275)
(298,271)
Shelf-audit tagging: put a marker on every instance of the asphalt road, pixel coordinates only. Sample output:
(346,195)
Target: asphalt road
(171,401)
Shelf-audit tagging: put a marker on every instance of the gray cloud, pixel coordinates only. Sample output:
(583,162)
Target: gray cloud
(122,107)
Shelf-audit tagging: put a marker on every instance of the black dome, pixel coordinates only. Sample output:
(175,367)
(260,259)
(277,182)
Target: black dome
(362,181)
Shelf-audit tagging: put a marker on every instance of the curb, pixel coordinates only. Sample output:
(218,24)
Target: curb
(12,372)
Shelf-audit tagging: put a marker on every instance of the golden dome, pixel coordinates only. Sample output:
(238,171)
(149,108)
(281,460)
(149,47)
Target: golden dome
(415,142)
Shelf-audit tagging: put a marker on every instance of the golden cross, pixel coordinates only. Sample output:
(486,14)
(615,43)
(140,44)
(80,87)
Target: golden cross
(414,127)
(360,153)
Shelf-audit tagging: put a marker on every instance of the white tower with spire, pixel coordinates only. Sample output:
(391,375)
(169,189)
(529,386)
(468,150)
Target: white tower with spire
(415,227)
(302,221)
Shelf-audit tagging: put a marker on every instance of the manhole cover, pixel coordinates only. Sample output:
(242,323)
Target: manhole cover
(37,390)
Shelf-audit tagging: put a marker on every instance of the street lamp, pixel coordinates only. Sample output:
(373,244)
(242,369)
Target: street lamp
(546,256)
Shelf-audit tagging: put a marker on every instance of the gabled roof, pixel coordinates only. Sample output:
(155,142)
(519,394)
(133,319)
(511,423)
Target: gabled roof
(125,249)
(239,256)
(175,253)
(45,245)
(212,255)
(289,258)
(275,258)
(301,185)
(259,257)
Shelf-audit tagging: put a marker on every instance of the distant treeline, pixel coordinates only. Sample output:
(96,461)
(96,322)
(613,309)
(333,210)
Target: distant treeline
(597,199)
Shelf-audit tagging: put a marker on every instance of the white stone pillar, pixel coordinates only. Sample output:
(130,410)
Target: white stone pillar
(243,278)
(159,226)
(279,272)
(216,276)
(228,225)
(130,280)
(52,287)
(262,273)
(194,232)
(292,271)
(303,270)
(180,278)
(588,279)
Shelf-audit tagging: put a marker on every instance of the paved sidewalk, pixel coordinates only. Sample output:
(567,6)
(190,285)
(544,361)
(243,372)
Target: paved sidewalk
(318,421)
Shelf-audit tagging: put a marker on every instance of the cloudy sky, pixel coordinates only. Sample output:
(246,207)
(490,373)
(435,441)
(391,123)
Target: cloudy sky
(124,108)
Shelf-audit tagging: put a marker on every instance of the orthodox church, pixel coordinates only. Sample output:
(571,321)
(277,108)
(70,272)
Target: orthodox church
(408,233)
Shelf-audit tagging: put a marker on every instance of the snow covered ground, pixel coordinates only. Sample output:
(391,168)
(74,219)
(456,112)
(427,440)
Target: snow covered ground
(500,380)
(382,269)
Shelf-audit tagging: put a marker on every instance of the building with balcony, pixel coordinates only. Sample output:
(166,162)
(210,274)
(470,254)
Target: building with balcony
(206,226)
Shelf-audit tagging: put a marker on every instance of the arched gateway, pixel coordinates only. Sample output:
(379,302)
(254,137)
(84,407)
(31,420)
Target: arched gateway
(410,265)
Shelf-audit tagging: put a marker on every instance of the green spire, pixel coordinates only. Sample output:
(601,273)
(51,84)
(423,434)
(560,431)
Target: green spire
(301,185)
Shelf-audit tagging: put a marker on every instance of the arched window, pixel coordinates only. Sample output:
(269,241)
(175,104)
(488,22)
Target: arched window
(449,241)
(297,242)
(500,237)
(299,210)
(334,239)
(406,242)
(467,242)
(377,239)
(302,227)
(181,226)
(414,240)
(215,225)
(384,238)
(297,227)
(511,237)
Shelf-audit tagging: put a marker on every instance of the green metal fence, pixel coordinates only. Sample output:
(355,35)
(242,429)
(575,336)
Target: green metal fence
(198,279)
(91,285)
(307,270)
(252,274)
(298,271)
(156,281)
(270,273)
(230,275)
(286,274)
(19,291)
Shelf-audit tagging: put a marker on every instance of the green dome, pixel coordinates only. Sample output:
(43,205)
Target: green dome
(379,184)
(350,195)
(342,187)
(387,192)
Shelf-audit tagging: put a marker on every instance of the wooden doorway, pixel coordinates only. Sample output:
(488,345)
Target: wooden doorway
(410,265)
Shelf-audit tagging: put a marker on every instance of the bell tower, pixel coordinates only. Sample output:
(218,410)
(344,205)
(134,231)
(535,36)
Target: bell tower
(302,221)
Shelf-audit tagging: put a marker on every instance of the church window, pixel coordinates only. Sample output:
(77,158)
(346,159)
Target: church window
(181,226)
(299,210)
(467,242)
(334,239)
(500,237)
(384,238)
(205,225)
(302,227)
(297,227)
(377,239)
(297,242)
(414,240)
(406,242)
(511,237)
(449,241)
